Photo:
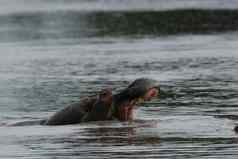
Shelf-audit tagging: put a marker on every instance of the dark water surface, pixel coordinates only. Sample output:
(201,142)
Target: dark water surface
(50,58)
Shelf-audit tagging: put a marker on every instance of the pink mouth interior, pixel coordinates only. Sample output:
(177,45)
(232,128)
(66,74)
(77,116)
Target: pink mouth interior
(125,113)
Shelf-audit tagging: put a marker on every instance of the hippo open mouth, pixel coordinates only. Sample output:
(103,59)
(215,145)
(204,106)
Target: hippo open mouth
(125,113)
(140,90)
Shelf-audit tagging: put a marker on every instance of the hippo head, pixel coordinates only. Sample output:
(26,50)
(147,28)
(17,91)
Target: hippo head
(142,89)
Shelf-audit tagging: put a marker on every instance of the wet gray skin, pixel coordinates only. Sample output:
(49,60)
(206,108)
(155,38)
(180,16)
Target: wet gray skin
(104,107)
(73,113)
(101,108)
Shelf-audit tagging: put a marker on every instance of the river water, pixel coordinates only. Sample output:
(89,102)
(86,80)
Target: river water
(55,52)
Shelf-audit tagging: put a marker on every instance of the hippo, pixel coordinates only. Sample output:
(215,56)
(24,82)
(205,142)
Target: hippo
(88,109)
(101,108)
(106,106)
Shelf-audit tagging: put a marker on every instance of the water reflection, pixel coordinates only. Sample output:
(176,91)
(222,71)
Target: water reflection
(107,140)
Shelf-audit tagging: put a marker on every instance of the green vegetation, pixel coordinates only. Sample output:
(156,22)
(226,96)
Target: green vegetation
(163,22)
